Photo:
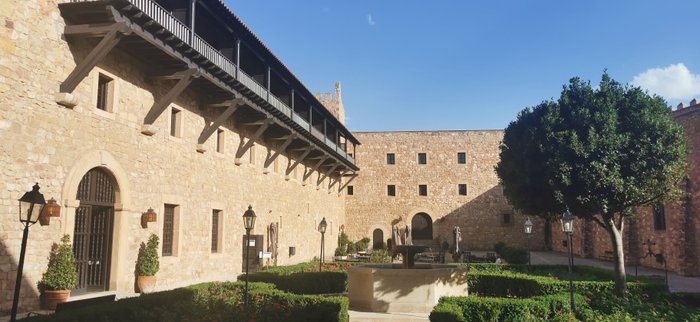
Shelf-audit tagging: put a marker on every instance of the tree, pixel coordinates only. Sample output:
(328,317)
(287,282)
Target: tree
(600,152)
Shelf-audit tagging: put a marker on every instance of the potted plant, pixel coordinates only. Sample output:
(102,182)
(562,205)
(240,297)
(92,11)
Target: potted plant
(61,275)
(147,265)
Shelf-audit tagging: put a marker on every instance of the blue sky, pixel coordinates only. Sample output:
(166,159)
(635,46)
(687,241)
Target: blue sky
(437,65)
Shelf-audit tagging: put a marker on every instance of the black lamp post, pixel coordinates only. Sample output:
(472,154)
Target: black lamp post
(567,226)
(248,222)
(528,232)
(30,207)
(322,229)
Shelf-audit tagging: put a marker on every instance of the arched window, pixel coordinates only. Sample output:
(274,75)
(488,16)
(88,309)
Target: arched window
(377,239)
(421,227)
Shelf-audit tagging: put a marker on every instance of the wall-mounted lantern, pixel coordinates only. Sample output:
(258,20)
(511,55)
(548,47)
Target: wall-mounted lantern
(51,209)
(148,216)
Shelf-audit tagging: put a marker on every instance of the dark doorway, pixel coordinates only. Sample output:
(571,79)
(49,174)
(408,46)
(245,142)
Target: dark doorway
(377,239)
(421,227)
(255,245)
(92,236)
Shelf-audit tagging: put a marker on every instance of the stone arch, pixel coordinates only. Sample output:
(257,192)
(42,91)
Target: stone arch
(108,163)
(377,239)
(421,227)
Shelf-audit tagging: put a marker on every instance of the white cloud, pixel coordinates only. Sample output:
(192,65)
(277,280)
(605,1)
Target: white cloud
(674,82)
(370,20)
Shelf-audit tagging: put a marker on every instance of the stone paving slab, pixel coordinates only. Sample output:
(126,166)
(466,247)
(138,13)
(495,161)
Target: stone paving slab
(357,316)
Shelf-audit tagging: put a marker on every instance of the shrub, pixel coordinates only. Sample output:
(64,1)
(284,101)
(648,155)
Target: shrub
(303,282)
(362,244)
(61,273)
(380,256)
(148,263)
(512,255)
(343,242)
(352,248)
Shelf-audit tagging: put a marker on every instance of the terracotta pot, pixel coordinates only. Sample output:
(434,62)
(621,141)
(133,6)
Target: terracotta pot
(51,298)
(146,284)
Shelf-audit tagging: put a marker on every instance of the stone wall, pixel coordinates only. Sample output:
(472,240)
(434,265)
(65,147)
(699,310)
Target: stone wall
(478,214)
(55,146)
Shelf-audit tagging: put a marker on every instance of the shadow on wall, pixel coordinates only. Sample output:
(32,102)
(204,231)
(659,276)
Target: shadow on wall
(482,223)
(29,295)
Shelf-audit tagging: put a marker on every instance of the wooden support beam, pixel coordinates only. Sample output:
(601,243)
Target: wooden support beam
(327,173)
(161,104)
(88,30)
(111,39)
(211,128)
(296,162)
(280,149)
(311,170)
(244,147)
(352,177)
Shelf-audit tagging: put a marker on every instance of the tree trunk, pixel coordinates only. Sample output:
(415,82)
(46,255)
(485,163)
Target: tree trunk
(619,254)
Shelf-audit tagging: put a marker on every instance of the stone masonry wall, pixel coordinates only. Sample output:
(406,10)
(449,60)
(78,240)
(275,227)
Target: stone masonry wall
(44,142)
(478,214)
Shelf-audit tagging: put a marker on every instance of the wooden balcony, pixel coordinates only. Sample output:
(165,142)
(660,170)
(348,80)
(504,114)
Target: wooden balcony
(182,48)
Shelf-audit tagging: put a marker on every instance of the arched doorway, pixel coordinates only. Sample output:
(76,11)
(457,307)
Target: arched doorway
(377,239)
(92,235)
(421,227)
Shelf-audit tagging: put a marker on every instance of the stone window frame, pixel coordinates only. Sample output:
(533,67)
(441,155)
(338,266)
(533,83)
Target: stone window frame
(391,158)
(506,219)
(422,158)
(659,216)
(391,190)
(112,100)
(461,158)
(423,190)
(219,233)
(175,121)
(460,191)
(220,141)
(350,190)
(172,246)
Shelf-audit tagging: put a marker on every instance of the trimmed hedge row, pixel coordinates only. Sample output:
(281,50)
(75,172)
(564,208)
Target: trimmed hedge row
(544,308)
(511,255)
(304,282)
(212,302)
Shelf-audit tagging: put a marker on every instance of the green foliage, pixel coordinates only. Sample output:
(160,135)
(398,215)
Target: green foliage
(212,302)
(61,273)
(511,255)
(362,244)
(303,282)
(343,242)
(352,248)
(148,262)
(543,308)
(380,256)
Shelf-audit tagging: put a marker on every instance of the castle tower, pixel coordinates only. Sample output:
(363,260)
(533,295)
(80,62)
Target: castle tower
(333,103)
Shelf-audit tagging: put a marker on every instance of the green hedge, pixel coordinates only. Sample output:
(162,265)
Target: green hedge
(543,308)
(212,302)
(304,282)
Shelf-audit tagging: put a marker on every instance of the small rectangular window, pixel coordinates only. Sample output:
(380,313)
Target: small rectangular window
(461,158)
(104,93)
(215,229)
(390,158)
(462,187)
(169,229)
(391,190)
(423,190)
(659,217)
(220,141)
(506,219)
(422,158)
(351,190)
(175,122)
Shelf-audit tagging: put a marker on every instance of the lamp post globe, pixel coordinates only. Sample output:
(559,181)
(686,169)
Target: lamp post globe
(248,223)
(30,206)
(567,222)
(528,232)
(322,229)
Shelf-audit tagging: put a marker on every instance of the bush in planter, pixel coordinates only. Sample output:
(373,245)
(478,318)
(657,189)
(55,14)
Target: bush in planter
(362,244)
(343,242)
(380,256)
(61,273)
(148,263)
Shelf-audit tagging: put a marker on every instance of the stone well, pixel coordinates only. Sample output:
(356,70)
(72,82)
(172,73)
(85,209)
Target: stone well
(386,288)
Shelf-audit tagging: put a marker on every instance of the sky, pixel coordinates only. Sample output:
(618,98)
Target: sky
(463,65)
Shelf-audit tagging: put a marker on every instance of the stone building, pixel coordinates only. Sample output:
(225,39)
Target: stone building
(433,181)
(120,106)
(669,230)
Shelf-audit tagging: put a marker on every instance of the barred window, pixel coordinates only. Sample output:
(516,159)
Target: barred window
(104,93)
(422,158)
(423,190)
(168,229)
(659,217)
(462,187)
(461,158)
(390,158)
(391,190)
(215,226)
(351,190)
